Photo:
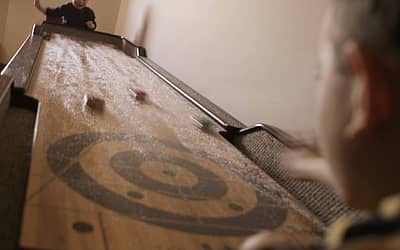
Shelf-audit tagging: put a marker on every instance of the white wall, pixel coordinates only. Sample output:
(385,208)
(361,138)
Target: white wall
(254,58)
(22,15)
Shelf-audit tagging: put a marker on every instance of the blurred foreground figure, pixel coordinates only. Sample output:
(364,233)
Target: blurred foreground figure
(358,126)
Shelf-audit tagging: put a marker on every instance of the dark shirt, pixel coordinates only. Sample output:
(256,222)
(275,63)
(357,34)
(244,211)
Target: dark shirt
(73,16)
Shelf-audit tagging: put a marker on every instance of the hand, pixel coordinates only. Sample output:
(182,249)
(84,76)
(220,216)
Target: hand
(305,163)
(39,6)
(90,25)
(266,241)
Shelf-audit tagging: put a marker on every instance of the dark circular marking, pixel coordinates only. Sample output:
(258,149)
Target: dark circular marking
(135,195)
(82,227)
(63,160)
(236,207)
(208,187)
(206,247)
(169,173)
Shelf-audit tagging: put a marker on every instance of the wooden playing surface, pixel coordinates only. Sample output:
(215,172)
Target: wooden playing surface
(137,176)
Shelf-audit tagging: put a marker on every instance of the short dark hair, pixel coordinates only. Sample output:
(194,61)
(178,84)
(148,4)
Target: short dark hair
(375,23)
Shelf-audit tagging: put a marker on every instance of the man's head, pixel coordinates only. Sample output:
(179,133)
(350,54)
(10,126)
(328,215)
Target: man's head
(359,118)
(80,4)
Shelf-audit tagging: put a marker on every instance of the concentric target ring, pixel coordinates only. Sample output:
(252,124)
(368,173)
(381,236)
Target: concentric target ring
(64,160)
(201,191)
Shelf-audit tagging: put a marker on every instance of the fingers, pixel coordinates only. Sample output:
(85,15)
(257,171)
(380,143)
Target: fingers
(304,160)
(303,164)
(307,165)
(90,24)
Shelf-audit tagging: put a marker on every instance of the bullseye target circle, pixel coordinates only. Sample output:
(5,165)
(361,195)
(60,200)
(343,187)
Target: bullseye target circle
(163,183)
(171,177)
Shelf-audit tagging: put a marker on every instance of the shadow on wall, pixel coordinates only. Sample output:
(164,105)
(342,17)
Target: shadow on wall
(142,33)
(2,56)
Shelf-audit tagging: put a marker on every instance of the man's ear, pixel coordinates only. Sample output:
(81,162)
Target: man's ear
(370,91)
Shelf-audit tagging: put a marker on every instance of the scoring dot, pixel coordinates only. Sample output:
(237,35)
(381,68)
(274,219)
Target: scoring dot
(82,227)
(236,207)
(206,247)
(135,195)
(169,173)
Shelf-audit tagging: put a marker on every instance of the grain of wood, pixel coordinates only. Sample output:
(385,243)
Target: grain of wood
(140,175)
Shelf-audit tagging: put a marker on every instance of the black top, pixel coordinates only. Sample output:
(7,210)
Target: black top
(73,16)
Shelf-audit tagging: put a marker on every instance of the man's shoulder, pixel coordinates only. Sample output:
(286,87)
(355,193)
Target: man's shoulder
(88,9)
(67,5)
